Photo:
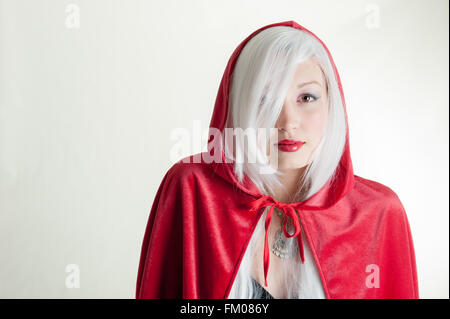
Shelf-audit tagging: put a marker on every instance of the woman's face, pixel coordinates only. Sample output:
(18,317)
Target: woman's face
(302,119)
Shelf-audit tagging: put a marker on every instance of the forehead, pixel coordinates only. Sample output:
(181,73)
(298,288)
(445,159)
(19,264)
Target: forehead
(309,70)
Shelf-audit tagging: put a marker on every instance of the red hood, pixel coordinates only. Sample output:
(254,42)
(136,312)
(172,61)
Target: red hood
(328,195)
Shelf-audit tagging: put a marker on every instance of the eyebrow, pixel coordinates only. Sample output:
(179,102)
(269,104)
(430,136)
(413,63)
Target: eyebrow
(306,83)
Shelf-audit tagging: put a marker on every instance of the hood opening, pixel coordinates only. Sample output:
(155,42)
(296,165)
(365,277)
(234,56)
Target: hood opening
(332,190)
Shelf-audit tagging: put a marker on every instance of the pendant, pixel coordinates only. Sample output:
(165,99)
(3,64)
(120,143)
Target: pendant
(279,246)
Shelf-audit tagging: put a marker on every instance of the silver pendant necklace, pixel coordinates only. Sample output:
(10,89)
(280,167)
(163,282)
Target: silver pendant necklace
(279,247)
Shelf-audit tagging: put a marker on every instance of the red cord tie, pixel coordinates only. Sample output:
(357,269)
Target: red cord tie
(289,211)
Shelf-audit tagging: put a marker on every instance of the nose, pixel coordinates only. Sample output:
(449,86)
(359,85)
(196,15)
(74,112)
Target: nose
(288,119)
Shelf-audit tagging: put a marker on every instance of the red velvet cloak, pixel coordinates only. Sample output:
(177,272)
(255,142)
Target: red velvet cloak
(202,219)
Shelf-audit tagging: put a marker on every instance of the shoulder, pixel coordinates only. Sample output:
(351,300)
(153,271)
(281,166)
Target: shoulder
(189,167)
(377,193)
(182,178)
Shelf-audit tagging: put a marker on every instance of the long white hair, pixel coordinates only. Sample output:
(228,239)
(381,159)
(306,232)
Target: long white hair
(259,84)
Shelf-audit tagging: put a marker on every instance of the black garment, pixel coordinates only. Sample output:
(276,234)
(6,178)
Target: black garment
(266,294)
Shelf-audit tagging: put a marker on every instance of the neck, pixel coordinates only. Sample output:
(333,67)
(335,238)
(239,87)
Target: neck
(291,180)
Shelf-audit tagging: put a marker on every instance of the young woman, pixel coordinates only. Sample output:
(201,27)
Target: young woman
(287,199)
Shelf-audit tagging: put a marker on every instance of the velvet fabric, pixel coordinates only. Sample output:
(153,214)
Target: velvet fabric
(202,219)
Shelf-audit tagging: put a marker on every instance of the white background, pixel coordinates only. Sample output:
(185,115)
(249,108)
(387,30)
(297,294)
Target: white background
(86,115)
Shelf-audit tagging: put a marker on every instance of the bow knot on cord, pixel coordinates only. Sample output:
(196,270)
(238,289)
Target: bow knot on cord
(288,211)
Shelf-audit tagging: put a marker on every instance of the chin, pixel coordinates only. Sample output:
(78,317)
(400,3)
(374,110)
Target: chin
(287,166)
(291,164)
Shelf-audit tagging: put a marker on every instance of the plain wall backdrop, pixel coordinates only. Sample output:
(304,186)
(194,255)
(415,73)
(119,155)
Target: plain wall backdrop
(91,91)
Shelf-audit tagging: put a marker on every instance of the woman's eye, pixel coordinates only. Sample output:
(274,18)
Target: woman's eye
(307,98)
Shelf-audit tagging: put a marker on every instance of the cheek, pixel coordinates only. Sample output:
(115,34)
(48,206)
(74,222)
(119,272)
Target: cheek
(315,124)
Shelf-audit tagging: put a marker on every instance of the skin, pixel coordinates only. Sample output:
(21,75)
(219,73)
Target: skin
(303,117)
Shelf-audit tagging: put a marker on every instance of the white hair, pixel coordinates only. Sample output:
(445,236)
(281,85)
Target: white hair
(259,84)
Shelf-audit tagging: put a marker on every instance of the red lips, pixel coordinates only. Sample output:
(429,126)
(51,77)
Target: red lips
(288,145)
